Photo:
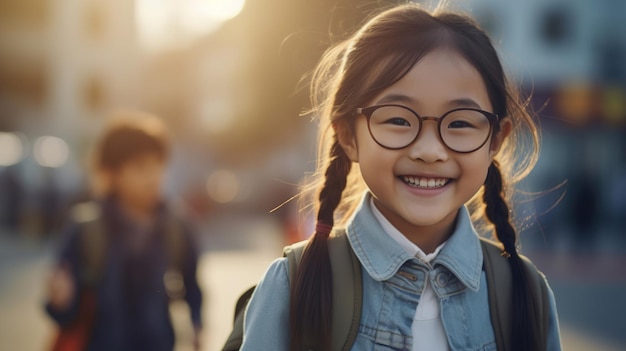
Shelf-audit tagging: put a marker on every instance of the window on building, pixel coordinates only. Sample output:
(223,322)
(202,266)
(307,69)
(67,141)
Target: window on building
(556,26)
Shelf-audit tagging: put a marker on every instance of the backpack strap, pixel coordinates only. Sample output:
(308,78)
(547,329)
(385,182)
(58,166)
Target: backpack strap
(347,288)
(500,291)
(347,293)
(175,244)
(235,339)
(92,241)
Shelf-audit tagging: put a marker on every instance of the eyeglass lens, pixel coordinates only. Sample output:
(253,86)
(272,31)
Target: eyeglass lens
(461,130)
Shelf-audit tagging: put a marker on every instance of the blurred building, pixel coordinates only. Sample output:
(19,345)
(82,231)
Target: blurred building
(64,64)
(556,41)
(232,90)
(568,55)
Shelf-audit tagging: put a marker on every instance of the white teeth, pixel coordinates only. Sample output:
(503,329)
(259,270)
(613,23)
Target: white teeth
(427,183)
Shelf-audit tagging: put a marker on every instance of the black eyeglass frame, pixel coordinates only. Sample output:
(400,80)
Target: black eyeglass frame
(368,111)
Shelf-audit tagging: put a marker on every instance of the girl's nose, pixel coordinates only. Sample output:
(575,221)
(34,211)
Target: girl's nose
(428,147)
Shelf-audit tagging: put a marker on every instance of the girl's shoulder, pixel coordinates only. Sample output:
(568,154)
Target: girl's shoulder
(276,274)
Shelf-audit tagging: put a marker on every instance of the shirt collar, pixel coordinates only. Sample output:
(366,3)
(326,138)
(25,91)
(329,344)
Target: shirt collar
(381,257)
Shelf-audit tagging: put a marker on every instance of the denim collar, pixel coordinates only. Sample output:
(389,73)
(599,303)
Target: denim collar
(382,256)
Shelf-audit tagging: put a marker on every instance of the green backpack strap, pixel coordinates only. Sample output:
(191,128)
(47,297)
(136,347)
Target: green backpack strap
(175,242)
(92,241)
(347,293)
(175,249)
(500,284)
(347,288)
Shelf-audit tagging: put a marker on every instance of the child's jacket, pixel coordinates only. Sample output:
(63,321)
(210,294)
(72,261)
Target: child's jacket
(392,286)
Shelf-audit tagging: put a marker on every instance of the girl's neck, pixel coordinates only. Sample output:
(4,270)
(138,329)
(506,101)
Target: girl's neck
(427,238)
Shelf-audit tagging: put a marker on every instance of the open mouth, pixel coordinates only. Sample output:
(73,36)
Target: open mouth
(424,182)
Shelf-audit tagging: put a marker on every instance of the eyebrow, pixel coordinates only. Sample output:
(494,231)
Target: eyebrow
(465,102)
(392,98)
(399,98)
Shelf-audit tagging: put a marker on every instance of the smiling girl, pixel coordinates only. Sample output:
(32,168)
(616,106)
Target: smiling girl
(419,129)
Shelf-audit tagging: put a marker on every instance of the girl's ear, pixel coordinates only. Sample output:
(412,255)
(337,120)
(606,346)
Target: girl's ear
(506,126)
(345,137)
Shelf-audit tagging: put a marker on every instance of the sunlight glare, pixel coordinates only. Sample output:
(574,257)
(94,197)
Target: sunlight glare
(163,23)
(221,10)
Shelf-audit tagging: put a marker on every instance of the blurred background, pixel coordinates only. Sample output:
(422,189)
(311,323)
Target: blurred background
(227,78)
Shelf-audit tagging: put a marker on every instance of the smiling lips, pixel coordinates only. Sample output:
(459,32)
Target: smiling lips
(424,182)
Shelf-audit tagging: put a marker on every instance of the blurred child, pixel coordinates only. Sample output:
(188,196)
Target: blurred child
(126,254)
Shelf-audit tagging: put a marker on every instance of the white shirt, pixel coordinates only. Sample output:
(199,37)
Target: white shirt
(428,331)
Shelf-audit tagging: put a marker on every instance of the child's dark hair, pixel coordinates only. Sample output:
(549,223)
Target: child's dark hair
(349,76)
(129,134)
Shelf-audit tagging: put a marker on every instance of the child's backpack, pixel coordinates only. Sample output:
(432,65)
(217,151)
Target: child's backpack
(93,240)
(348,294)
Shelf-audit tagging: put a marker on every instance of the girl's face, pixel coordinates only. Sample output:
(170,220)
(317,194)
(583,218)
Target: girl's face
(441,81)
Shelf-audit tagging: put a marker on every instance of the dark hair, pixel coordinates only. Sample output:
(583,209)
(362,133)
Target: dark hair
(349,76)
(129,135)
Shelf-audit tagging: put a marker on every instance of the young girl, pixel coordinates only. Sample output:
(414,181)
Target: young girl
(418,124)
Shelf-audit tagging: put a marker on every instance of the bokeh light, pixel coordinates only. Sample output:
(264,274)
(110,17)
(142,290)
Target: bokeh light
(223,186)
(11,149)
(51,151)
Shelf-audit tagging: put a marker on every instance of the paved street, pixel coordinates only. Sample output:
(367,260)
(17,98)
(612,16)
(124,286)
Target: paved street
(588,312)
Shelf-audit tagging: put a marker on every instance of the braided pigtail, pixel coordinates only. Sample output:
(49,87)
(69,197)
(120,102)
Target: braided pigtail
(311,293)
(525,335)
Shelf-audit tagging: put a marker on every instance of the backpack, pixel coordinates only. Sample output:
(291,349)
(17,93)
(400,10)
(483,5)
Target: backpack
(348,294)
(93,243)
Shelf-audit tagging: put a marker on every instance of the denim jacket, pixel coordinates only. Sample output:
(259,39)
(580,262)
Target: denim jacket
(392,285)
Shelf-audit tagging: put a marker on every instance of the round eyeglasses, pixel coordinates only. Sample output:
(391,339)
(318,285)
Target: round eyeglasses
(462,130)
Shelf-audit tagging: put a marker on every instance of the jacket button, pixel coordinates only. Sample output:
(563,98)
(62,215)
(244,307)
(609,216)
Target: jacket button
(442,279)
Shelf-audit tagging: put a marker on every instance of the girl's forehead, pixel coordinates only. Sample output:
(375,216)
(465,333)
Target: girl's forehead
(441,80)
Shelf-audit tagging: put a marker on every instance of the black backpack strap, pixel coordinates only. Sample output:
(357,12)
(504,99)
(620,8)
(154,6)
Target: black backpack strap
(542,299)
(235,339)
(500,291)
